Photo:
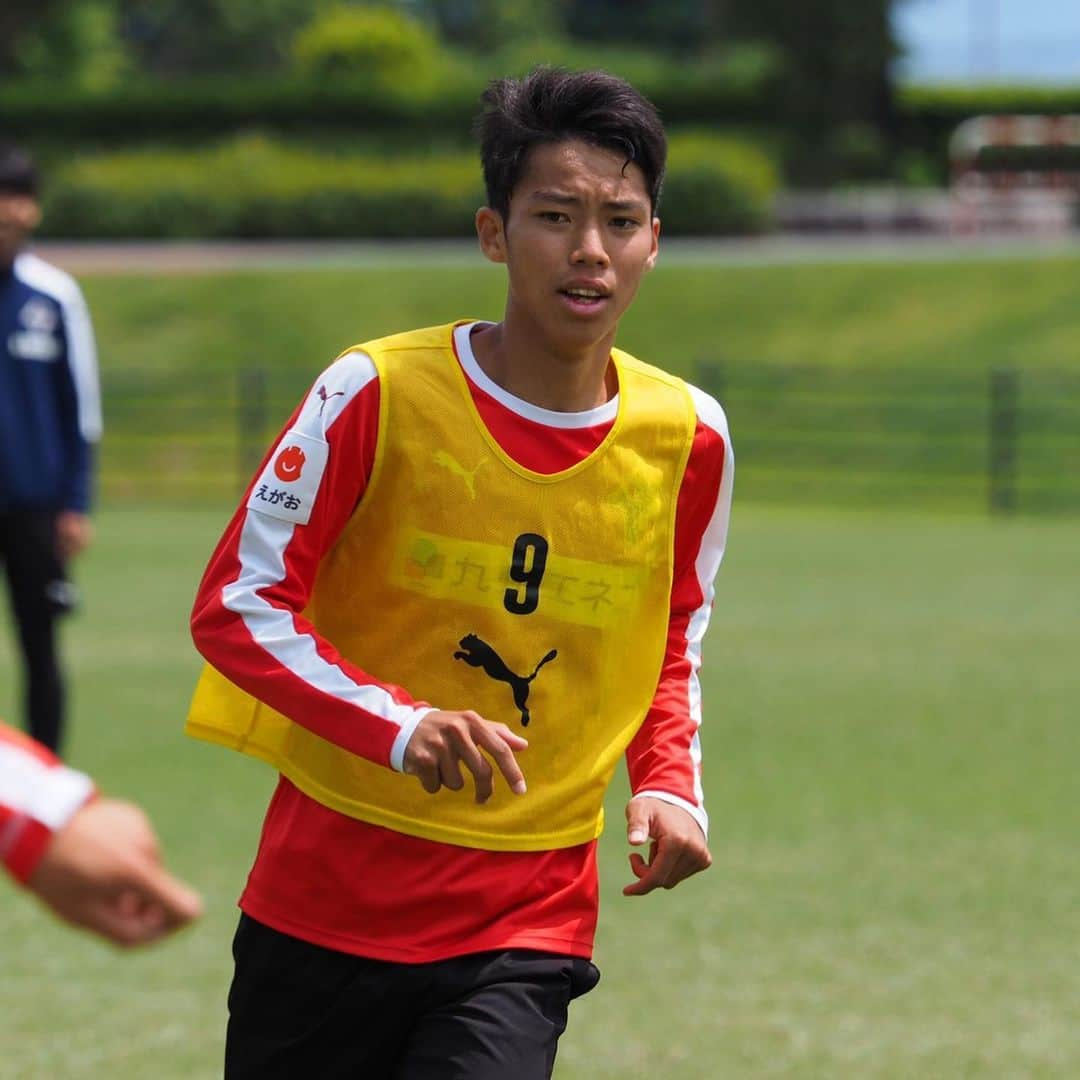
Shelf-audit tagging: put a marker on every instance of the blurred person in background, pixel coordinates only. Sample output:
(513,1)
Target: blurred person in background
(93,861)
(50,417)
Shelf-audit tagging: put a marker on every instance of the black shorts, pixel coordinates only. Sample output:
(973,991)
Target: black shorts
(298,1010)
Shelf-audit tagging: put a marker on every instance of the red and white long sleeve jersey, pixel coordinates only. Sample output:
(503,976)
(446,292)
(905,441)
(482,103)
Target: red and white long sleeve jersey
(357,887)
(38,796)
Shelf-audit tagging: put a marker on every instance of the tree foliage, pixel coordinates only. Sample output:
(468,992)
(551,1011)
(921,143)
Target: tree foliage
(820,69)
(212,36)
(837,55)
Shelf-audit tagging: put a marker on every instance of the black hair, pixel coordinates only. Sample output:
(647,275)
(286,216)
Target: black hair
(551,105)
(18,173)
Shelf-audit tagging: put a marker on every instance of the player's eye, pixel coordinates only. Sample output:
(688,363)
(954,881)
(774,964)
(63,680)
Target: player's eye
(556,216)
(624,223)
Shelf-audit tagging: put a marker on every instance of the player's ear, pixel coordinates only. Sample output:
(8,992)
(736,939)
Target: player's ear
(654,251)
(491,233)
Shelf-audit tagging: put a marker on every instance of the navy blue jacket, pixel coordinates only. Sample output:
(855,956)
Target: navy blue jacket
(50,404)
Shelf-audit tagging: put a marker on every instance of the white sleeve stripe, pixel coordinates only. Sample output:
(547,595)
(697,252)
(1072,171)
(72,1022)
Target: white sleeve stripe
(82,359)
(333,391)
(82,351)
(696,812)
(263,542)
(47,793)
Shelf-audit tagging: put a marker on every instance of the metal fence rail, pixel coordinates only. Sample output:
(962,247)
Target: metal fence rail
(1008,442)
(167,438)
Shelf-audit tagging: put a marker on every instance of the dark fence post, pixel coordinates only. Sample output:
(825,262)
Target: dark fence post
(250,421)
(1003,430)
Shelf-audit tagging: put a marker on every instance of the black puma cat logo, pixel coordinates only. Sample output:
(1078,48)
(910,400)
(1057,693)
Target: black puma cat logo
(478,653)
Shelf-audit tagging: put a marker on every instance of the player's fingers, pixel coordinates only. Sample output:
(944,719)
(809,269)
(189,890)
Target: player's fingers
(691,857)
(449,770)
(661,863)
(157,889)
(501,752)
(479,766)
(177,901)
(511,738)
(680,870)
(119,923)
(426,770)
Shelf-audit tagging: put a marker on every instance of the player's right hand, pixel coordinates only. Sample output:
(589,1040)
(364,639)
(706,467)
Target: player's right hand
(444,741)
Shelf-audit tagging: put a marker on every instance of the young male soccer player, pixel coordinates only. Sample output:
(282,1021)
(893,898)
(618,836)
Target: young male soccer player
(469,535)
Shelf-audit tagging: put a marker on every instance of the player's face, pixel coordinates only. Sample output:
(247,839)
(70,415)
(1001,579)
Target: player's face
(19,216)
(578,237)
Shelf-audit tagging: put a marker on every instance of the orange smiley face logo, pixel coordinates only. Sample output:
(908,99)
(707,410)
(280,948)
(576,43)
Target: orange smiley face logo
(289,464)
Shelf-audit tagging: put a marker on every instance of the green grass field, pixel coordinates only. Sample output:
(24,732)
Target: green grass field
(846,383)
(923,315)
(890,742)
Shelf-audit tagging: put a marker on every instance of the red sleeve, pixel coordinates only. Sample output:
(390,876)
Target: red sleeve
(38,795)
(664,758)
(247,619)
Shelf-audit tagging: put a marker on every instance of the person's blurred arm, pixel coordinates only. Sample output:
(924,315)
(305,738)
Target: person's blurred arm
(93,861)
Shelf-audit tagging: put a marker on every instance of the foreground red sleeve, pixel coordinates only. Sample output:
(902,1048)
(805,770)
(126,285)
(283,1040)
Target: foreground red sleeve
(247,619)
(664,758)
(38,796)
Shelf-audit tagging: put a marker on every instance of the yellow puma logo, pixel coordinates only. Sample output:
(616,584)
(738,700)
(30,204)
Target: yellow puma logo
(451,464)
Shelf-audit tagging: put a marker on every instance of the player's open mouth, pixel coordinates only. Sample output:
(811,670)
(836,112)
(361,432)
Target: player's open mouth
(583,299)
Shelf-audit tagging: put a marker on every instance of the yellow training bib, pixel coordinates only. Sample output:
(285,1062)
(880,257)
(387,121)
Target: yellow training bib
(539,601)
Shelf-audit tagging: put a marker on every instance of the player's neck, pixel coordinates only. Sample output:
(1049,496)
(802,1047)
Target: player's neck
(526,364)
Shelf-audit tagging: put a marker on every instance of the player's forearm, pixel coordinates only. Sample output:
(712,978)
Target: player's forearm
(664,758)
(664,761)
(248,616)
(248,623)
(268,649)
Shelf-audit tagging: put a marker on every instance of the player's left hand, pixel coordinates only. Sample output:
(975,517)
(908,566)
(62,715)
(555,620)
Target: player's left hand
(74,531)
(102,871)
(677,851)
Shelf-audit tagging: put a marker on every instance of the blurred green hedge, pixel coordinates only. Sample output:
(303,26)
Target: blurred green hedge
(254,186)
(439,99)
(928,115)
(943,107)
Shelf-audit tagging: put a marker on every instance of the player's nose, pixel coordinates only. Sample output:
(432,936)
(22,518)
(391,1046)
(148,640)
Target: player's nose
(589,249)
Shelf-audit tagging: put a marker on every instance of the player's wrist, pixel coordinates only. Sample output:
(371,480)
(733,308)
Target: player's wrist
(58,794)
(695,811)
(27,842)
(404,737)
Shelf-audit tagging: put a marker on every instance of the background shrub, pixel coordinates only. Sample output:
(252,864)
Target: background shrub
(366,42)
(717,184)
(255,185)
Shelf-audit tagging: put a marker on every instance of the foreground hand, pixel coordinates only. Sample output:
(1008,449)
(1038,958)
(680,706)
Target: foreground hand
(444,741)
(102,871)
(74,531)
(678,848)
